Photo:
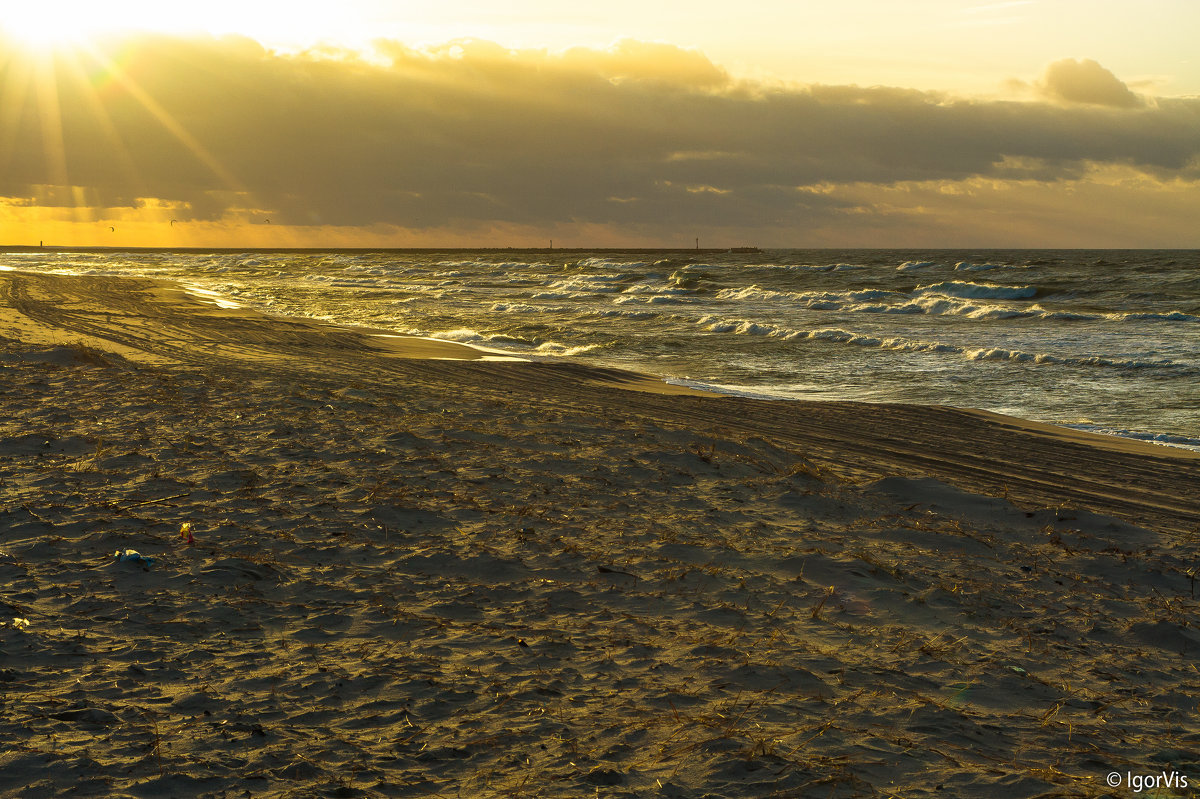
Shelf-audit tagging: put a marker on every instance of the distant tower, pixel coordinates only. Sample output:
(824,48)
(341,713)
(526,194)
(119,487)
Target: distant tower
(697,242)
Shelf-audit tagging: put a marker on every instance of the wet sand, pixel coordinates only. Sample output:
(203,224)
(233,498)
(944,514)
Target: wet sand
(415,571)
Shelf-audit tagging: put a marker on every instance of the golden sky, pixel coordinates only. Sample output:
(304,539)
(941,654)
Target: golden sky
(877,124)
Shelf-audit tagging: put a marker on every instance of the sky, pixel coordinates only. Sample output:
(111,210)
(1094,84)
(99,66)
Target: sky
(776,123)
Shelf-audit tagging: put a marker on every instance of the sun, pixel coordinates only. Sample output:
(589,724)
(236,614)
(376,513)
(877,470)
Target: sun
(53,23)
(44,24)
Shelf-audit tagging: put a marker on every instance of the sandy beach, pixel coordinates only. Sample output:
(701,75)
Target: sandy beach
(380,566)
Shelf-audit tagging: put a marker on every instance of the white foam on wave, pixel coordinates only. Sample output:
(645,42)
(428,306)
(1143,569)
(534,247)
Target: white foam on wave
(977,291)
(563,350)
(896,343)
(944,306)
(1165,439)
(608,263)
(967,266)
(943,299)
(900,344)
(646,288)
(557,295)
(1170,316)
(729,390)
(349,281)
(820,300)
(463,334)
(210,296)
(499,342)
(616,312)
(585,284)
(912,266)
(473,267)
(656,299)
(593,278)
(810,267)
(524,308)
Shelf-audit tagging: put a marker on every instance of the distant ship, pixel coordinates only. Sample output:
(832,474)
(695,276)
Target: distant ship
(744,249)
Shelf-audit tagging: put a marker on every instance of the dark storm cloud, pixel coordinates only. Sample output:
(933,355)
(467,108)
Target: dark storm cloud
(473,132)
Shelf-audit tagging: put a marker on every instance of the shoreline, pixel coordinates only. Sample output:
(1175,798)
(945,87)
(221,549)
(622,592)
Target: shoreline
(363,570)
(1153,422)
(160,322)
(424,346)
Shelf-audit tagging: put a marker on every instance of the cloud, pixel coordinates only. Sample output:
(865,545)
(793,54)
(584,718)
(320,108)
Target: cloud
(471,134)
(633,60)
(1085,81)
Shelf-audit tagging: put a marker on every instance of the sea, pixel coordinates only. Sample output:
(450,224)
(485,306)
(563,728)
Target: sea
(1106,341)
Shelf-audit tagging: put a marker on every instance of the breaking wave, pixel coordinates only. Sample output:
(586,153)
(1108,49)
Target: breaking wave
(902,344)
(941,299)
(977,291)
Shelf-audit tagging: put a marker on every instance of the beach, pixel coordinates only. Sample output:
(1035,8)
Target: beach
(375,565)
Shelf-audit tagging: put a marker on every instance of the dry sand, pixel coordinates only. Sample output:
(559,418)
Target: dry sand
(418,577)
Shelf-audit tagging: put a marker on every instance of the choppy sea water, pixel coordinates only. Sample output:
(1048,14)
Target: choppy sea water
(1104,340)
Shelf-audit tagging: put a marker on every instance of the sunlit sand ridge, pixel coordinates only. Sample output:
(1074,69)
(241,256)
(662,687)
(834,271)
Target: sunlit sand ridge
(414,572)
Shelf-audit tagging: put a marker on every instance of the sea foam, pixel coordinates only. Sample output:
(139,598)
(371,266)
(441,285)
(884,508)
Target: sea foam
(977,291)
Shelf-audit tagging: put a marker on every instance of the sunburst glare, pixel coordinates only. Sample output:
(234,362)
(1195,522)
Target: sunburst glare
(57,24)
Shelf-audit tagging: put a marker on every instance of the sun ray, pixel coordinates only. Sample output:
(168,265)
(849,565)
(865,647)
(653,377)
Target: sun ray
(87,93)
(54,151)
(35,126)
(13,95)
(170,124)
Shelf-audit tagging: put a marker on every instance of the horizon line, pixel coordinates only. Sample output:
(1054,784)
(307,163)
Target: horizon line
(52,248)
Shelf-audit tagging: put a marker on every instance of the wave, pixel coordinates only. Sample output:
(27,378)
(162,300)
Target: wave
(465,335)
(1170,316)
(526,308)
(898,343)
(977,291)
(473,266)
(360,269)
(685,280)
(884,302)
(935,305)
(655,299)
(646,288)
(912,266)
(614,312)
(558,295)
(608,263)
(809,298)
(351,281)
(937,301)
(583,285)
(520,307)
(901,344)
(563,350)
(807,268)
(1166,439)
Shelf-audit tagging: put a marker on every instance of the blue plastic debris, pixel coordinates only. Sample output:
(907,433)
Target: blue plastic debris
(133,556)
